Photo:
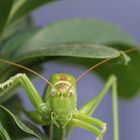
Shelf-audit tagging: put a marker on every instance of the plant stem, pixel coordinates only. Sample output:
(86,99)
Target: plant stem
(115,112)
(63,133)
(55,133)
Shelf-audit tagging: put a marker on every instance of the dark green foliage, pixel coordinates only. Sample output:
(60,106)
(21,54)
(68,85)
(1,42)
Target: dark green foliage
(11,128)
(5,7)
(83,41)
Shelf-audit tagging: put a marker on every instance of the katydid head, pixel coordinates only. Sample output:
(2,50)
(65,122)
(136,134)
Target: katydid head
(61,101)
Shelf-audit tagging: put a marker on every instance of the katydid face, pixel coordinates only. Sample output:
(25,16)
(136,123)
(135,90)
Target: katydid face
(63,98)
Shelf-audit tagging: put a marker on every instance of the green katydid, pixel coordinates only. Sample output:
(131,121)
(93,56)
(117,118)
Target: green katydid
(58,105)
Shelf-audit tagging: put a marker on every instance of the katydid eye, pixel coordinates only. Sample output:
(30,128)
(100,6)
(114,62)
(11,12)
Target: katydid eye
(70,93)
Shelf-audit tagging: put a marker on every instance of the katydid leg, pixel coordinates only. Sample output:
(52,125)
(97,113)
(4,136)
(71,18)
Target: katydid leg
(37,118)
(88,126)
(91,105)
(31,91)
(91,120)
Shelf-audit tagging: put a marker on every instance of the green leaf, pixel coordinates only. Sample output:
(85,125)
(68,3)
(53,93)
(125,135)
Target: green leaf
(80,31)
(3,133)
(19,26)
(12,44)
(69,50)
(12,127)
(76,31)
(5,7)
(23,7)
(14,104)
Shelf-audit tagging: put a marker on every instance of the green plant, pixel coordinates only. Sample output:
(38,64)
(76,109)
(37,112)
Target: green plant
(85,41)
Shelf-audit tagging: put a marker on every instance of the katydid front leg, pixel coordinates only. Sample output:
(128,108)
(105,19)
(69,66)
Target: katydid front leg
(38,118)
(87,122)
(91,105)
(31,91)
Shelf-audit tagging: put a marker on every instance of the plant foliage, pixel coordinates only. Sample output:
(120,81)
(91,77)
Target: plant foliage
(86,41)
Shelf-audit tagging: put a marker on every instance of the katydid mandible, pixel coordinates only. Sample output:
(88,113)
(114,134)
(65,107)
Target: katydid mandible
(58,105)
